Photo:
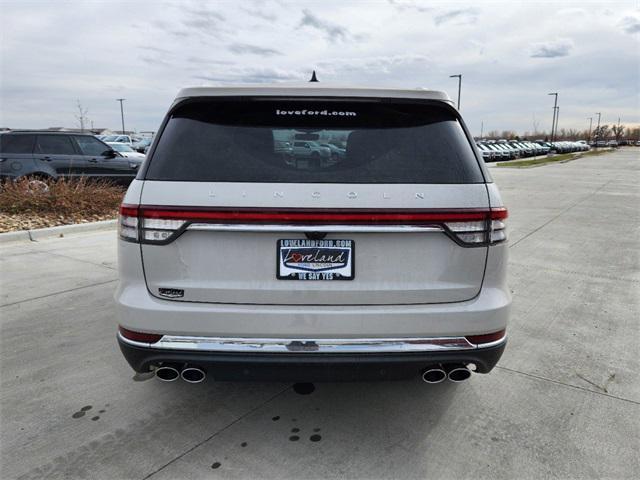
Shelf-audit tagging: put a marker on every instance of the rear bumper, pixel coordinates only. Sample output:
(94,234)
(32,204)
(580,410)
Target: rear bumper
(233,366)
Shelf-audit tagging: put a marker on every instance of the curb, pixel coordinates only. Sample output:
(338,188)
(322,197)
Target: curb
(41,233)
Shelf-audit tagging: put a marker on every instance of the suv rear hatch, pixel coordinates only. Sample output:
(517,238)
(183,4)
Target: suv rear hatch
(398,214)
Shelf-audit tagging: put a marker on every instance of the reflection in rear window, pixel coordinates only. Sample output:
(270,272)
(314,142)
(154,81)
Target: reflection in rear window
(313,141)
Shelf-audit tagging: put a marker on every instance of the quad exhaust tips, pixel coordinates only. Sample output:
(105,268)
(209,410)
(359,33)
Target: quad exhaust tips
(170,373)
(167,373)
(439,373)
(434,375)
(193,375)
(458,373)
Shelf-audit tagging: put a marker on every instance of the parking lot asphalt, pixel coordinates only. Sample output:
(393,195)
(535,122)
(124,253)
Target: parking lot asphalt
(563,402)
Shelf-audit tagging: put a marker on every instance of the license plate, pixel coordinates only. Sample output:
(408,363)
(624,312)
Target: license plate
(305,259)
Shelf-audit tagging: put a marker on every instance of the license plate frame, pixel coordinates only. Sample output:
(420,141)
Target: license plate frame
(315,260)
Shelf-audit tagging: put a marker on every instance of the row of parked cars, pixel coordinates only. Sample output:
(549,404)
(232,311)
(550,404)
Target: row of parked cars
(137,144)
(494,150)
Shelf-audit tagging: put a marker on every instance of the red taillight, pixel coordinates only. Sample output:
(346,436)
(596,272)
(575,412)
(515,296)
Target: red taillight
(314,217)
(162,224)
(128,210)
(498,230)
(487,338)
(499,213)
(128,223)
(139,336)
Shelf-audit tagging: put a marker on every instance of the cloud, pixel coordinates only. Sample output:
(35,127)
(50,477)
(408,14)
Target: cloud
(205,21)
(551,49)
(154,61)
(244,74)
(204,13)
(154,49)
(270,17)
(332,31)
(207,61)
(403,5)
(630,24)
(245,48)
(375,64)
(464,16)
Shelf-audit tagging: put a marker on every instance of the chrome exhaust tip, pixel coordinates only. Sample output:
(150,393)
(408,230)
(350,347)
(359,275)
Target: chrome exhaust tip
(459,374)
(167,373)
(434,375)
(193,375)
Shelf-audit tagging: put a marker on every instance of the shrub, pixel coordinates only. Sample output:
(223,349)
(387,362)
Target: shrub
(81,197)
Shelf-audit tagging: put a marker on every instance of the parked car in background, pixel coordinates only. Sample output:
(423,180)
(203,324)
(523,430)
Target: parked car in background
(126,139)
(582,145)
(336,152)
(505,147)
(500,153)
(44,154)
(389,264)
(126,151)
(283,147)
(488,155)
(612,143)
(310,150)
(544,146)
(519,148)
(141,144)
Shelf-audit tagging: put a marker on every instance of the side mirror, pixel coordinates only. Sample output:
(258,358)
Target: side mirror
(109,153)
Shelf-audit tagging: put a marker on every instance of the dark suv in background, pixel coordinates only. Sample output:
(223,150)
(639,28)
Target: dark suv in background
(62,155)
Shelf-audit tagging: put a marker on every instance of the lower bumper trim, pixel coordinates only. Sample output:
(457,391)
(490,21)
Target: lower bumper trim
(296,366)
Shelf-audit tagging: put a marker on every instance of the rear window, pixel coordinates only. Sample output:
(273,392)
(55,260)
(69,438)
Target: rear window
(16,143)
(313,141)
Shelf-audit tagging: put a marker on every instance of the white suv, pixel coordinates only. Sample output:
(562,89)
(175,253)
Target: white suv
(389,262)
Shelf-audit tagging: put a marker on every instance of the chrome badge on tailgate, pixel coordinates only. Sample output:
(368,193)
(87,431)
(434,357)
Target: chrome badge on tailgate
(305,259)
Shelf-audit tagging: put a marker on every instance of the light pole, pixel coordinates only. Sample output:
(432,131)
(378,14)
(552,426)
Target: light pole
(459,77)
(557,119)
(598,129)
(481,129)
(121,111)
(553,122)
(590,124)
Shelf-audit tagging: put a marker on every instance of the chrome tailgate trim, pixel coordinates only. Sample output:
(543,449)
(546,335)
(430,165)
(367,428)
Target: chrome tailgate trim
(217,227)
(307,345)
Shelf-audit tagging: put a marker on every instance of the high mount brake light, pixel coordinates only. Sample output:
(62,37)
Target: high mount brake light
(161,224)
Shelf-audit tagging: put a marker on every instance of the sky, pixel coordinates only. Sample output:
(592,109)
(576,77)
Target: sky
(511,54)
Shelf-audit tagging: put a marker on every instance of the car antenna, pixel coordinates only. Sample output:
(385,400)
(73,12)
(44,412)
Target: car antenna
(313,77)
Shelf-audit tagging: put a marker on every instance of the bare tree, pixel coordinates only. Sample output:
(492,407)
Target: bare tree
(633,133)
(573,134)
(618,130)
(81,117)
(601,133)
(536,125)
(508,134)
